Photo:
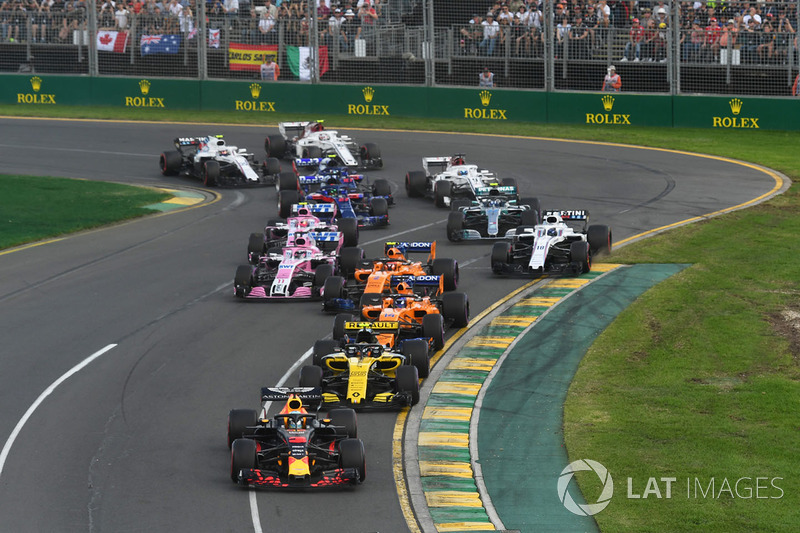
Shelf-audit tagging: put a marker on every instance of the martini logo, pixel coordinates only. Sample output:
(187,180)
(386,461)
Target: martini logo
(36,97)
(144,100)
(482,113)
(368,108)
(735,121)
(608,117)
(585,509)
(254,104)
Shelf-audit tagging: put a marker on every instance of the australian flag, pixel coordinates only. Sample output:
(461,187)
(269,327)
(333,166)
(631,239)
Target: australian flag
(160,44)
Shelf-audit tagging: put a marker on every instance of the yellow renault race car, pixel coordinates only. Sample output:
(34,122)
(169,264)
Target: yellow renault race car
(364,374)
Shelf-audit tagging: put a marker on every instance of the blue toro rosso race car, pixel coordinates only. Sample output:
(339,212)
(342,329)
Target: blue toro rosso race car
(494,214)
(353,195)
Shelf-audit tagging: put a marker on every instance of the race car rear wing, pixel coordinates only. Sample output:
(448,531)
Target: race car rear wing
(508,190)
(306,394)
(435,165)
(382,326)
(569,214)
(413,247)
(292,130)
(324,211)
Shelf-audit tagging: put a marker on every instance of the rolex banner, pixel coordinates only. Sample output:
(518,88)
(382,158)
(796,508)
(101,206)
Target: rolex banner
(248,57)
(299,58)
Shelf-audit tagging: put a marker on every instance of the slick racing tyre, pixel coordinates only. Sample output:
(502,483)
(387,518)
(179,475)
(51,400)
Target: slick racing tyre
(338,325)
(351,455)
(275,146)
(210,173)
(448,269)
(312,152)
(170,163)
(287,181)
(501,256)
(349,229)
(244,276)
(455,307)
(371,155)
(599,237)
(333,288)
(272,166)
(433,328)
(321,349)
(381,187)
(349,259)
(379,207)
(442,189)
(346,420)
(285,201)
(311,376)
(243,456)
(581,256)
(532,216)
(455,226)
(238,422)
(407,380)
(255,246)
(321,275)
(416,184)
(416,351)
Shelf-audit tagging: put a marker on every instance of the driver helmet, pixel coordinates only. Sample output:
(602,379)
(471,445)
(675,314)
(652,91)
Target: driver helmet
(366,336)
(394,253)
(295,422)
(457,160)
(317,127)
(552,232)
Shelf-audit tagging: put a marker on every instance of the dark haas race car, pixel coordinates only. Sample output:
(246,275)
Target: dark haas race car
(304,218)
(361,373)
(312,140)
(494,214)
(216,163)
(381,275)
(295,448)
(298,270)
(554,246)
(368,205)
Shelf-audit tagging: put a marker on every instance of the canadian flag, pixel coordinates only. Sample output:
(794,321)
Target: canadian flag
(112,41)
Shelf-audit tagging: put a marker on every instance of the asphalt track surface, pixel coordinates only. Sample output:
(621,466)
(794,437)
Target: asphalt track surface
(135,440)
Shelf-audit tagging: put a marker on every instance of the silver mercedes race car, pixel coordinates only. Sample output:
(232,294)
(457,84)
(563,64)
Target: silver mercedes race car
(210,159)
(312,140)
(450,178)
(492,215)
(554,246)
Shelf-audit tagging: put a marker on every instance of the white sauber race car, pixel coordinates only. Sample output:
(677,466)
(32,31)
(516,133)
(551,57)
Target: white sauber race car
(210,159)
(311,140)
(554,246)
(450,177)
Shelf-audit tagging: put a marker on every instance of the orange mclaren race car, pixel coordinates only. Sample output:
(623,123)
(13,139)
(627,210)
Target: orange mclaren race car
(381,276)
(295,448)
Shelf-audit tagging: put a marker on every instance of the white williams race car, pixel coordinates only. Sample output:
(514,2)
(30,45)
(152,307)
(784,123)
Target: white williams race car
(449,178)
(217,163)
(312,140)
(552,246)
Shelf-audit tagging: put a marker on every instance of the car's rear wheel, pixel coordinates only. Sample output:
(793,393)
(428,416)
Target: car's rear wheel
(210,173)
(599,237)
(433,327)
(416,183)
(287,181)
(275,146)
(351,455)
(333,288)
(448,269)
(321,349)
(244,455)
(407,380)
(579,254)
(238,422)
(170,162)
(349,259)
(272,166)
(255,245)
(349,230)
(338,325)
(455,307)
(416,351)
(311,376)
(455,226)
(442,189)
(501,256)
(532,216)
(321,274)
(379,207)
(285,201)
(381,187)
(347,420)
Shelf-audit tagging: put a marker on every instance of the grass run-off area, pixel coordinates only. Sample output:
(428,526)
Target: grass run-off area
(35,208)
(699,379)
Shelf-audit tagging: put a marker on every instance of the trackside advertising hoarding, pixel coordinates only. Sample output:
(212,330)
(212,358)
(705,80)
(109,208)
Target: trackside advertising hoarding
(595,110)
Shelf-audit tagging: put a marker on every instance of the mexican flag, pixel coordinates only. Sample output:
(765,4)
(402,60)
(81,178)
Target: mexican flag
(299,57)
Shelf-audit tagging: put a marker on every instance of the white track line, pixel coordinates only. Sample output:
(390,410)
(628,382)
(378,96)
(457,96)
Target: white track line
(74,370)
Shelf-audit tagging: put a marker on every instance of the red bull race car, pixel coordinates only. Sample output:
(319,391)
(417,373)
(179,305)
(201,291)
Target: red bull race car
(295,448)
